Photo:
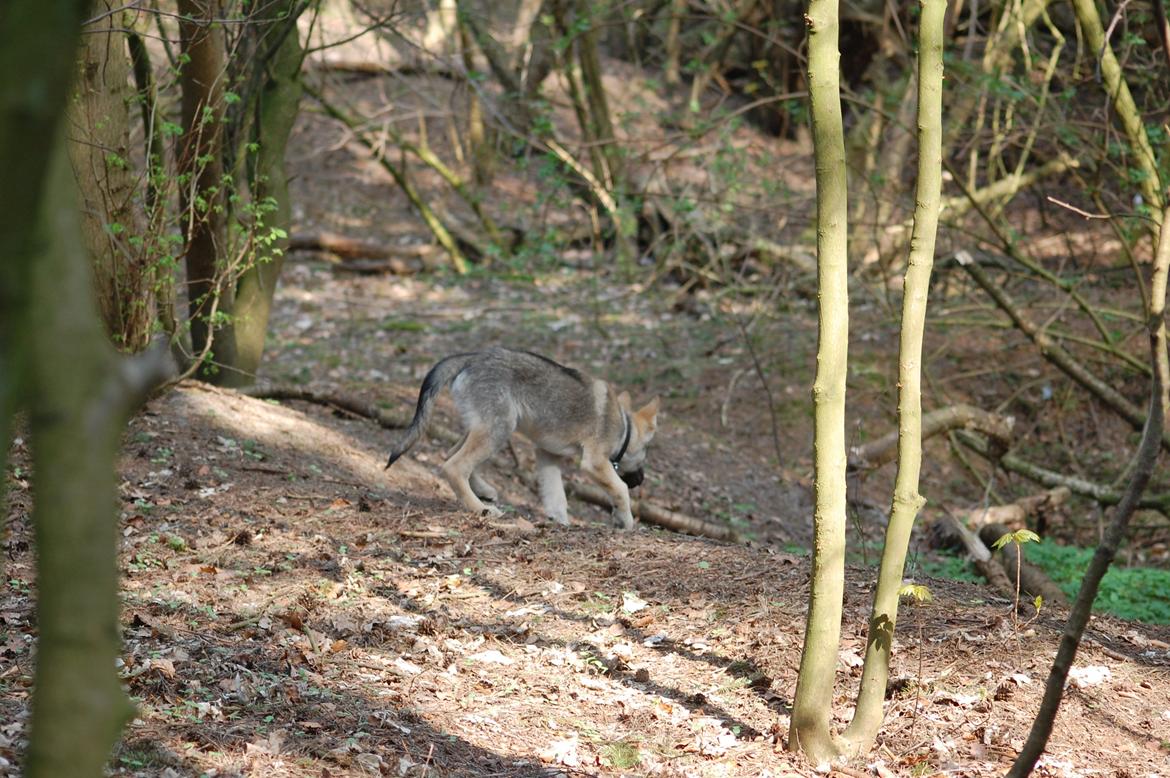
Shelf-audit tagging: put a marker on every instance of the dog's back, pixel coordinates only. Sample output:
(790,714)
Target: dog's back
(552,405)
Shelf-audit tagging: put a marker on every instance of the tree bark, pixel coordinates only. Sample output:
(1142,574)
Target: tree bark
(38,48)
(200,166)
(277,104)
(907,501)
(809,730)
(111,213)
(79,398)
(1123,105)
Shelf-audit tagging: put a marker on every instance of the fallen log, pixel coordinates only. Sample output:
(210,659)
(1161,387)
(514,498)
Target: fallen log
(997,428)
(1015,515)
(643,509)
(369,69)
(655,514)
(1104,495)
(357,255)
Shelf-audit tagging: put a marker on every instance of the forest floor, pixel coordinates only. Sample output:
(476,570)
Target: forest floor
(290,608)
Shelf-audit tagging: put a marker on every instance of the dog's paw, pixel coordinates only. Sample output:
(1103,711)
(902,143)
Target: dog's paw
(626,522)
(560,519)
(491,512)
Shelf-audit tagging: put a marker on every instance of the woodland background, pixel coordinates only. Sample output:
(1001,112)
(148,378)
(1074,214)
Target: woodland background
(286,211)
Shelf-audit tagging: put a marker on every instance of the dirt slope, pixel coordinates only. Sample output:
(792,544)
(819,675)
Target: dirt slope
(292,609)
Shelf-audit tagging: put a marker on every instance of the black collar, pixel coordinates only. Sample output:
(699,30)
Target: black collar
(621,452)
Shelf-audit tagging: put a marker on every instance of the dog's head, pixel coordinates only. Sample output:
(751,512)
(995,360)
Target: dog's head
(643,425)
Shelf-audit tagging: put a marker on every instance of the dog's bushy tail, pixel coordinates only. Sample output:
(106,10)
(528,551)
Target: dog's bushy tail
(439,377)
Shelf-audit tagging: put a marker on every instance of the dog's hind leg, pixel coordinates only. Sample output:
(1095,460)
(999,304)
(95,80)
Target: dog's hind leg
(479,444)
(552,489)
(483,489)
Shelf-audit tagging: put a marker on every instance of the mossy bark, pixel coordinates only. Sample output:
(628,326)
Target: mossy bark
(99,118)
(38,43)
(278,104)
(76,413)
(809,730)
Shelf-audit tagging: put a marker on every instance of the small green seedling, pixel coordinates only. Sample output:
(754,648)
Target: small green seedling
(1019,538)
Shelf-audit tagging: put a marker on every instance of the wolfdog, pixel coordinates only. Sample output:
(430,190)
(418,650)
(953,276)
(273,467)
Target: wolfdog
(564,412)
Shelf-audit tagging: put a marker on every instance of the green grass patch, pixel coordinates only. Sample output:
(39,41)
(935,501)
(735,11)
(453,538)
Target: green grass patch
(950,567)
(403,325)
(1136,593)
(622,754)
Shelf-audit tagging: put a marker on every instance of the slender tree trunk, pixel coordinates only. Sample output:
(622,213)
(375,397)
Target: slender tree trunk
(155,154)
(673,48)
(1124,105)
(278,102)
(439,38)
(809,730)
(907,501)
(602,133)
(99,118)
(481,151)
(1145,461)
(56,363)
(200,167)
(594,86)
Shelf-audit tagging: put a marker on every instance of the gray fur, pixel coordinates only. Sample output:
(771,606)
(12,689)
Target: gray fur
(565,413)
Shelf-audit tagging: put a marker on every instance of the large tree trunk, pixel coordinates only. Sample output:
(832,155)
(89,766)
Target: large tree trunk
(58,365)
(99,129)
(907,501)
(77,410)
(202,193)
(277,104)
(38,45)
(809,729)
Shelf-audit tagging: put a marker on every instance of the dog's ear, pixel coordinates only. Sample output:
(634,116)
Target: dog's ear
(624,400)
(648,414)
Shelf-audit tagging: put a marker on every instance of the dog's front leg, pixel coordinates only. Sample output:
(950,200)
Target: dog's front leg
(552,489)
(603,472)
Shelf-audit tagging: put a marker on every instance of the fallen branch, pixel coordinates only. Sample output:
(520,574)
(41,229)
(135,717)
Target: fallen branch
(1014,515)
(877,452)
(1006,188)
(362,256)
(643,509)
(1054,352)
(655,514)
(437,228)
(368,68)
(1102,494)
(343,402)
